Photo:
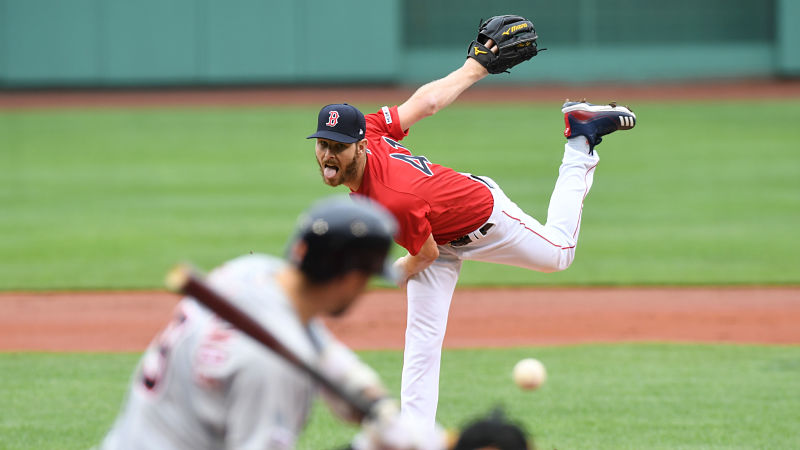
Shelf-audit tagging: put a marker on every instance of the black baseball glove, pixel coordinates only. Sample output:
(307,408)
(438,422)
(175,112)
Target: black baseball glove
(515,38)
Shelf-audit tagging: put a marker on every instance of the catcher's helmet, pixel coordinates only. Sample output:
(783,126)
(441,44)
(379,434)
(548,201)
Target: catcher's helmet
(342,235)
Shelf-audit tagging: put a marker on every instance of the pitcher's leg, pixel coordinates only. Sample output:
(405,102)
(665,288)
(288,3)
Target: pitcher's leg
(575,178)
(429,294)
(521,240)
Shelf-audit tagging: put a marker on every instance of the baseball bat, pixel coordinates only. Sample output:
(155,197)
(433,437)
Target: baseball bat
(185,280)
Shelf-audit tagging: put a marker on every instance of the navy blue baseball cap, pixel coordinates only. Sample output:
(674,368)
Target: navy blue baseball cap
(340,122)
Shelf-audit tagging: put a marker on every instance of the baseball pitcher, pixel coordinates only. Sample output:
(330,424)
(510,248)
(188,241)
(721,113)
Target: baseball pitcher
(446,217)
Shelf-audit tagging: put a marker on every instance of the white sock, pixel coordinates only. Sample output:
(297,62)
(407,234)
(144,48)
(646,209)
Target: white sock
(579,143)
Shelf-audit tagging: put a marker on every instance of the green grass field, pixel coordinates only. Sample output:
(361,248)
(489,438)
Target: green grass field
(698,193)
(632,396)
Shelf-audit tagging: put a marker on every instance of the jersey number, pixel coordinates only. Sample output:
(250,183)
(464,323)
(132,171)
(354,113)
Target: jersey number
(418,162)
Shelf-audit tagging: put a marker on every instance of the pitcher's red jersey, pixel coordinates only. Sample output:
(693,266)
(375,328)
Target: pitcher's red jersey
(424,197)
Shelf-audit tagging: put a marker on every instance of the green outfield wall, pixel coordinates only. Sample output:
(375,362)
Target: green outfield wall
(52,43)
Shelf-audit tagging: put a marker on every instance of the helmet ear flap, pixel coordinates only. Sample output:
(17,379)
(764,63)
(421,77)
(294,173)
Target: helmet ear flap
(297,251)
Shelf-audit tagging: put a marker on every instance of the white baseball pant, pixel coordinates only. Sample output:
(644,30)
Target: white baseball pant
(516,239)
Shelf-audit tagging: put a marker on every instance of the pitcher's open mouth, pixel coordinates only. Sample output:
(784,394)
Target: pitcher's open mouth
(329,171)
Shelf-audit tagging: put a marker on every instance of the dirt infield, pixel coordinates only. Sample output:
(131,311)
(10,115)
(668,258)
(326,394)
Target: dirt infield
(126,321)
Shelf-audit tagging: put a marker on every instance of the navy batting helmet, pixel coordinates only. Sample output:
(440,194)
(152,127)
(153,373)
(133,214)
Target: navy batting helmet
(342,235)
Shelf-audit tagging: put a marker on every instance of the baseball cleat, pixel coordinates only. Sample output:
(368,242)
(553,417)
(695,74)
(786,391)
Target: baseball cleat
(594,121)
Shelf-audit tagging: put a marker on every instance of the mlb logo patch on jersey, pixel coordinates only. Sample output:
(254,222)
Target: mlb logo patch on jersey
(387,115)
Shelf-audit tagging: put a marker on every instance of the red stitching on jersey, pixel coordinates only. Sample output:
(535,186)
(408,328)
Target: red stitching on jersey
(585,193)
(546,240)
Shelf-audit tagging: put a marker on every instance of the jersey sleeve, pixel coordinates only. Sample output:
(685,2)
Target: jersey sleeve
(386,122)
(342,366)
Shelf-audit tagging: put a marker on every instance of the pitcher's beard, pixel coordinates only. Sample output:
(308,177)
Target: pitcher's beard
(345,174)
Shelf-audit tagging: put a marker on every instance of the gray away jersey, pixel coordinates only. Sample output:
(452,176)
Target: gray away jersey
(204,385)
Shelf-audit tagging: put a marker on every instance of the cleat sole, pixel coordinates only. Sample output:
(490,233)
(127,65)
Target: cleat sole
(583,106)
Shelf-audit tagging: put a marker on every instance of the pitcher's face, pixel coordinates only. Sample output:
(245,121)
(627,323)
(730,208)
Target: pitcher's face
(337,161)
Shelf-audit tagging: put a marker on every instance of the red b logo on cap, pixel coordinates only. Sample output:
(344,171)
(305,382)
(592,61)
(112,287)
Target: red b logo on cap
(333,118)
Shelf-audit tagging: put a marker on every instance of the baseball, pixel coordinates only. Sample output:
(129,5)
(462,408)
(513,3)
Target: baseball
(529,374)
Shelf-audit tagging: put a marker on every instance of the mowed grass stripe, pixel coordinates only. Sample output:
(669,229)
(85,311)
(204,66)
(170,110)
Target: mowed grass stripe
(697,193)
(631,396)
